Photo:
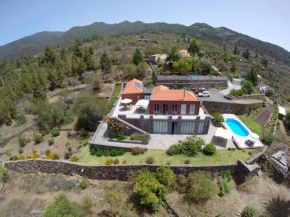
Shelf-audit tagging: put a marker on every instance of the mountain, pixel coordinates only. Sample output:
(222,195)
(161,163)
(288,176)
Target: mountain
(35,43)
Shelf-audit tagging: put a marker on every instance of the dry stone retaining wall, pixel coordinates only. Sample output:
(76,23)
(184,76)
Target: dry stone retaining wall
(228,107)
(113,172)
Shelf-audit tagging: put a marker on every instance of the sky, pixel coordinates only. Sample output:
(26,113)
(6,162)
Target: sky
(267,20)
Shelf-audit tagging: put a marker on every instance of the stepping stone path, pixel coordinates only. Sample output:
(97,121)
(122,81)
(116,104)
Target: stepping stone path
(264,117)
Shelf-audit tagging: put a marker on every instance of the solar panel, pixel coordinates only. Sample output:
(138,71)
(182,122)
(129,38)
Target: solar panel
(136,84)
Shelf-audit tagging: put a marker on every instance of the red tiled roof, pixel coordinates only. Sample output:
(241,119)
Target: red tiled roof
(163,93)
(132,88)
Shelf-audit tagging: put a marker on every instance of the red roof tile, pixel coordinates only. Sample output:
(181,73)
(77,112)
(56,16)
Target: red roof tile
(131,87)
(163,93)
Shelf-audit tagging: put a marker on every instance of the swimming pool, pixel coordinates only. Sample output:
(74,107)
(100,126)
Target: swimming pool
(237,127)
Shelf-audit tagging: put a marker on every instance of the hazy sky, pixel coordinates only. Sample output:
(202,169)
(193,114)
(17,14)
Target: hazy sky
(268,20)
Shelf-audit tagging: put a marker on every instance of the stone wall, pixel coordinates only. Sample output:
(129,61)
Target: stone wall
(252,96)
(228,107)
(113,172)
(206,85)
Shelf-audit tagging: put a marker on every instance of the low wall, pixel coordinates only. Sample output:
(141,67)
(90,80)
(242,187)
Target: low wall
(113,172)
(252,96)
(206,85)
(228,107)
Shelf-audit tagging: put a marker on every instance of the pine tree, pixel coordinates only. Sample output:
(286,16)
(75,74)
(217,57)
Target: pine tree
(233,66)
(88,60)
(74,64)
(235,50)
(137,57)
(49,55)
(105,62)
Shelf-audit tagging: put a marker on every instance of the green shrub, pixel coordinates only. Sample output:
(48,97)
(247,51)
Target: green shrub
(116,161)
(187,161)
(173,150)
(118,135)
(3,174)
(47,152)
(150,160)
(201,186)
(136,151)
(20,120)
(83,185)
(67,155)
(50,141)
(20,150)
(69,148)
(218,118)
(225,187)
(83,132)
(192,145)
(68,134)
(13,158)
(54,132)
(3,142)
(236,93)
(22,140)
(114,152)
(249,211)
(109,161)
(107,153)
(62,207)
(92,151)
(268,138)
(209,149)
(67,143)
(142,137)
(99,153)
(8,153)
(37,138)
(87,205)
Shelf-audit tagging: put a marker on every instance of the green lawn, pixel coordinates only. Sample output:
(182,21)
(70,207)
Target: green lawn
(253,125)
(117,90)
(221,156)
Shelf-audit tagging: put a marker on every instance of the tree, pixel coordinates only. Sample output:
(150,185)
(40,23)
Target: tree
(91,50)
(76,48)
(264,62)
(204,67)
(246,54)
(129,71)
(233,66)
(63,54)
(193,47)
(235,50)
(185,64)
(141,70)
(252,76)
(164,175)
(138,57)
(82,67)
(173,54)
(247,87)
(62,207)
(268,138)
(287,121)
(105,62)
(88,60)
(221,65)
(74,64)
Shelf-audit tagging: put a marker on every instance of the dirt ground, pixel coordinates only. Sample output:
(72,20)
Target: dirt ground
(106,90)
(281,134)
(256,192)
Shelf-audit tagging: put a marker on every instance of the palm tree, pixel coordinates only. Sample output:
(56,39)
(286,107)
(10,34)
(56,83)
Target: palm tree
(174,54)
(193,47)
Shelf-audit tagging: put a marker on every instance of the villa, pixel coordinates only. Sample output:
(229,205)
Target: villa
(161,110)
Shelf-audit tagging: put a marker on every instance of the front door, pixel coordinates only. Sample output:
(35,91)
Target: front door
(183,109)
(165,109)
(174,128)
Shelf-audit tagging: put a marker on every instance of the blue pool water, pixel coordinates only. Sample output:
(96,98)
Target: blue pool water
(237,127)
(193,75)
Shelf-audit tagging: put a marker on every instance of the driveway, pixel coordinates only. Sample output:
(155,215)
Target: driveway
(214,96)
(235,85)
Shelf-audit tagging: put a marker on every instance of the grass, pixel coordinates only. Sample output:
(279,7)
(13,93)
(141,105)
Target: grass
(117,90)
(160,156)
(253,125)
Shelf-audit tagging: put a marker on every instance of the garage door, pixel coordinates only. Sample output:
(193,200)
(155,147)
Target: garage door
(160,127)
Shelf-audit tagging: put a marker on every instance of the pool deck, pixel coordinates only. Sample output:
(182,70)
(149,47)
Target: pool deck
(240,141)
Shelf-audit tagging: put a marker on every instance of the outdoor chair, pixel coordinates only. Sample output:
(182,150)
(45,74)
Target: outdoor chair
(250,143)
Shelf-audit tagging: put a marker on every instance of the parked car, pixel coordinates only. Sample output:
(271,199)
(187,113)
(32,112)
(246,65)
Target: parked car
(198,90)
(204,94)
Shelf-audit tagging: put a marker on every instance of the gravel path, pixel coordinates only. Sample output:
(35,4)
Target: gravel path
(264,117)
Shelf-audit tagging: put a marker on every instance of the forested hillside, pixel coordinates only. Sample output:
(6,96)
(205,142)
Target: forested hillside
(36,43)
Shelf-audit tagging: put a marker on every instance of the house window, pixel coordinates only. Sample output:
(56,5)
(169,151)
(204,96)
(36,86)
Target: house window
(183,109)
(138,98)
(160,127)
(200,128)
(156,109)
(192,109)
(165,109)
(147,97)
(187,127)
(174,109)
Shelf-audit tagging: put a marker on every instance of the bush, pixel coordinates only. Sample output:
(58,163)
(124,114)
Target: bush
(3,142)
(87,205)
(13,158)
(68,134)
(22,140)
(114,153)
(62,207)
(225,187)
(8,153)
(118,135)
(201,187)
(107,153)
(83,185)
(34,155)
(67,155)
(236,93)
(92,151)
(69,148)
(74,158)
(150,160)
(52,156)
(268,138)
(192,145)
(209,149)
(3,174)
(116,161)
(173,150)
(47,152)
(37,138)
(249,211)
(54,132)
(99,153)
(83,132)
(136,151)
(109,161)
(20,150)
(50,141)
(67,143)
(142,137)
(218,118)
(187,161)
(20,120)
(21,157)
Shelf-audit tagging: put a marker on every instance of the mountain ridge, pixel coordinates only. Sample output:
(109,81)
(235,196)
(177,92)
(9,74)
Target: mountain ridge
(35,43)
